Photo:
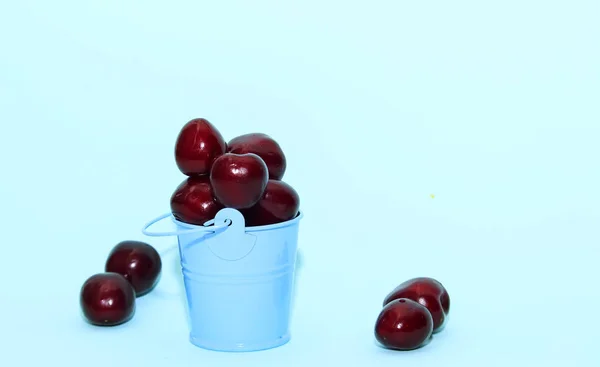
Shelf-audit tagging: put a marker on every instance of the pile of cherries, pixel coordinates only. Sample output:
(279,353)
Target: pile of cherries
(412,313)
(244,174)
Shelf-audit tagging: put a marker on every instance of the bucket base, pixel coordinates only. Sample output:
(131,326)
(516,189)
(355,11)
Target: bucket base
(239,347)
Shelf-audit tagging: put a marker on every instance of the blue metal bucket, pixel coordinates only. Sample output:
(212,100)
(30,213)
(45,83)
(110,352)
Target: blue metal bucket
(238,280)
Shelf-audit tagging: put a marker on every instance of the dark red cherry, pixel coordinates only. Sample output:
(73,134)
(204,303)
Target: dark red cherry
(107,299)
(197,146)
(428,292)
(239,180)
(279,203)
(193,201)
(138,262)
(403,324)
(265,147)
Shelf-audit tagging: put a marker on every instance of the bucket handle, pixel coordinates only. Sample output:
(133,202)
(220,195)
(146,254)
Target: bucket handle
(209,227)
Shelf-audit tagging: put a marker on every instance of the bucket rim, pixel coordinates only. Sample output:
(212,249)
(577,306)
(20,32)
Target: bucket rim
(267,227)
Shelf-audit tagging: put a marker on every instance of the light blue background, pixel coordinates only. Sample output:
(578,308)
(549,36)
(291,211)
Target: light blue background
(492,106)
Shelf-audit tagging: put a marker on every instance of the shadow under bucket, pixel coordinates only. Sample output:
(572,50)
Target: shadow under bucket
(238,280)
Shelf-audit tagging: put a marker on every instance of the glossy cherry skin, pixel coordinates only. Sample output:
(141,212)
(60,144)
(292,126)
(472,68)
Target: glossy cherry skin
(279,203)
(107,299)
(265,147)
(138,262)
(428,292)
(193,201)
(239,180)
(197,146)
(403,324)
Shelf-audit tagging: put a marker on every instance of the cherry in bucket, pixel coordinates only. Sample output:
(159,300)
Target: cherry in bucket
(138,262)
(197,146)
(239,180)
(107,299)
(279,203)
(193,201)
(428,292)
(403,324)
(265,147)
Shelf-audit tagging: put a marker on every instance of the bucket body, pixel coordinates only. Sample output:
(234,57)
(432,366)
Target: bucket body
(238,282)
